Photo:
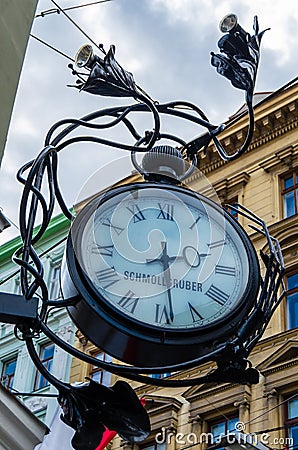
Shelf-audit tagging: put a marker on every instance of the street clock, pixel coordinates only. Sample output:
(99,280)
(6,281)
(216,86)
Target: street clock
(161,273)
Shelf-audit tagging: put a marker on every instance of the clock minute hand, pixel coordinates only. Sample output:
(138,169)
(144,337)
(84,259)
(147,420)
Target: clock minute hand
(164,260)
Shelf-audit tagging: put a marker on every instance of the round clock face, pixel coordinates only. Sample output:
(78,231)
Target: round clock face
(164,258)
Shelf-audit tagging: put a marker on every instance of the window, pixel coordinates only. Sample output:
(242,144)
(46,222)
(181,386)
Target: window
(46,356)
(222,428)
(54,288)
(17,286)
(292,301)
(160,375)
(155,446)
(232,211)
(8,373)
(232,203)
(290,194)
(292,421)
(99,375)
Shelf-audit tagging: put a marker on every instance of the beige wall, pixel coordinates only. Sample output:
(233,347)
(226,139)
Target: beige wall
(15,23)
(255,181)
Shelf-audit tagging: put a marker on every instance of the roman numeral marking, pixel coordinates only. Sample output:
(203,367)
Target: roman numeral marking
(194,313)
(107,277)
(161,314)
(138,215)
(225,270)
(195,222)
(104,250)
(216,244)
(107,223)
(166,212)
(129,301)
(217,295)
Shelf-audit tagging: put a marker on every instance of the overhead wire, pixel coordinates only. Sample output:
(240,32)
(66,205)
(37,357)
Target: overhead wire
(78,27)
(51,47)
(62,10)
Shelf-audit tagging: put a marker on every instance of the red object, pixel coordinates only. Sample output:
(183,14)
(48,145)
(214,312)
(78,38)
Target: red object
(108,435)
(106,438)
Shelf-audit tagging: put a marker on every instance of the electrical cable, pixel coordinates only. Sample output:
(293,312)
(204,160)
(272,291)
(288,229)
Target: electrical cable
(77,26)
(51,47)
(271,409)
(43,174)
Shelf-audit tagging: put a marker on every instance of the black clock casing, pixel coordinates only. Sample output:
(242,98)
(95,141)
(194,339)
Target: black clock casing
(162,274)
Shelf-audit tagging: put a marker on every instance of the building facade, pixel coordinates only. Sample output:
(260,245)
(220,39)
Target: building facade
(17,371)
(265,180)
(19,428)
(15,25)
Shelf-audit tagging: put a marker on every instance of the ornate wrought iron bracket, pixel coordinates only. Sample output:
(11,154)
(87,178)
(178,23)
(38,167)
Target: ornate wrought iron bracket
(238,62)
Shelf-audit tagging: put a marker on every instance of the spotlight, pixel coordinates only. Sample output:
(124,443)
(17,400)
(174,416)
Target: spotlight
(228,23)
(85,56)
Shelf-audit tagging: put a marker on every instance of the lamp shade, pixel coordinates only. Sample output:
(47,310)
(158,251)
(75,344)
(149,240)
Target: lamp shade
(84,56)
(228,23)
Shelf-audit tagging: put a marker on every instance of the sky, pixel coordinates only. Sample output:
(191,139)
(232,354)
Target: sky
(166,44)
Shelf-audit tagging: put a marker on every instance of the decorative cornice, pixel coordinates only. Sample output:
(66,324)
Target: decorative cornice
(209,391)
(284,157)
(267,129)
(234,184)
(280,367)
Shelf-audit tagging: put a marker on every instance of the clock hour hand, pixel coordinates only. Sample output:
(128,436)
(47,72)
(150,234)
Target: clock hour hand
(183,257)
(164,259)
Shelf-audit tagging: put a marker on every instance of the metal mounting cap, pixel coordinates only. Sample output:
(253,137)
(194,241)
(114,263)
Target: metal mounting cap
(165,160)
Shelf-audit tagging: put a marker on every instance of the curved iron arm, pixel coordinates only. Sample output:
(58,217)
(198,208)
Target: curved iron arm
(91,408)
(204,140)
(232,364)
(236,371)
(238,62)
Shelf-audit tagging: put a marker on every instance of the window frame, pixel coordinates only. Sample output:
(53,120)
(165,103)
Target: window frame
(284,191)
(98,370)
(289,423)
(38,383)
(155,445)
(288,293)
(54,289)
(225,420)
(5,362)
(160,375)
(232,202)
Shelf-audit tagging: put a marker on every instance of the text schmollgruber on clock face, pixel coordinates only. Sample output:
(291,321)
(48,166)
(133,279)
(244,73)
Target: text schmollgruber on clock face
(164,257)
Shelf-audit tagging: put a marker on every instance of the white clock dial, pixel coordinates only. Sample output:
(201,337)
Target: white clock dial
(164,258)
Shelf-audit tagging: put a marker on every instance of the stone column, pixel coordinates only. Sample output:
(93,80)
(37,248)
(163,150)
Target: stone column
(196,430)
(272,417)
(243,406)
